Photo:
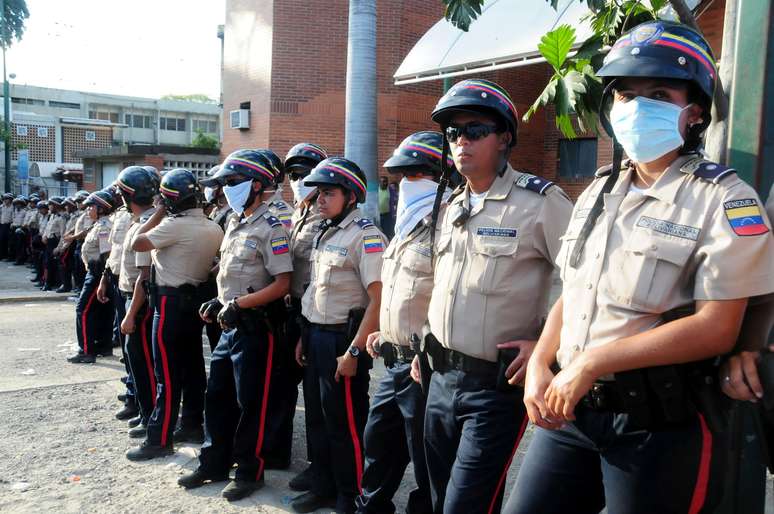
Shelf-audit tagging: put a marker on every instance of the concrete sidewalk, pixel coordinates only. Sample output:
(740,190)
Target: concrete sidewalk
(15,286)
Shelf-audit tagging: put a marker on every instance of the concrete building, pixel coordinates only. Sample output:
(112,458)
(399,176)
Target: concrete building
(285,64)
(56,126)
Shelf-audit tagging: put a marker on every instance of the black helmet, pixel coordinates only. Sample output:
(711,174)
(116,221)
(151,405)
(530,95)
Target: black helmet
(419,151)
(276,164)
(137,184)
(253,164)
(7,196)
(302,158)
(478,96)
(154,173)
(338,171)
(56,201)
(19,200)
(81,195)
(177,186)
(663,49)
(42,204)
(70,201)
(210,180)
(103,200)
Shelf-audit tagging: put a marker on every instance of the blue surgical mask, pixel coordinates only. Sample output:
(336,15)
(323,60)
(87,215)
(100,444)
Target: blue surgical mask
(647,128)
(237,195)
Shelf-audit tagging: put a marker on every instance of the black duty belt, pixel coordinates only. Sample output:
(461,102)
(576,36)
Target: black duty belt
(443,359)
(401,353)
(339,328)
(185,289)
(604,397)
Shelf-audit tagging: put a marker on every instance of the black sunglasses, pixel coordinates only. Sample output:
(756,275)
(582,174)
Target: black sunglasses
(472,131)
(233,181)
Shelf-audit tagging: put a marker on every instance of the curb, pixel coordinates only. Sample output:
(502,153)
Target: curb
(33,299)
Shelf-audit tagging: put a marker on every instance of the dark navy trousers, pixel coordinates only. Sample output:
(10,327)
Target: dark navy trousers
(138,349)
(237,402)
(598,461)
(336,415)
(471,434)
(393,438)
(93,322)
(178,366)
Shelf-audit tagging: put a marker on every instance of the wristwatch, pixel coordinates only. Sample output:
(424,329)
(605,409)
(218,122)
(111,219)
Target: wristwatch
(354,351)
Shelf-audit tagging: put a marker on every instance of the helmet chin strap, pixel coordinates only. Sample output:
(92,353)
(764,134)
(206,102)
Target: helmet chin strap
(351,206)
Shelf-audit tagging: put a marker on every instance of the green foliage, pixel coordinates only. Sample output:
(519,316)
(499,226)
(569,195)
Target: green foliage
(202,140)
(12,24)
(198,98)
(574,90)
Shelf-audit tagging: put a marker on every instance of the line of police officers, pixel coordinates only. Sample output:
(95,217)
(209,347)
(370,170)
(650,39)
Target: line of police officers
(658,258)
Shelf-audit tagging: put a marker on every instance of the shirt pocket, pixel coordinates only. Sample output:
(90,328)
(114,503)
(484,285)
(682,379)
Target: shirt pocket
(491,265)
(332,265)
(648,272)
(245,249)
(417,259)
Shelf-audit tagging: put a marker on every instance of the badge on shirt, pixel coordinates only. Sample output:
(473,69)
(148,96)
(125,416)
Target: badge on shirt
(496,232)
(251,244)
(421,249)
(336,249)
(279,245)
(745,217)
(669,228)
(373,244)
(582,213)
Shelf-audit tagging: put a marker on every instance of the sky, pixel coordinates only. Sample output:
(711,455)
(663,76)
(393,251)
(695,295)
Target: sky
(145,48)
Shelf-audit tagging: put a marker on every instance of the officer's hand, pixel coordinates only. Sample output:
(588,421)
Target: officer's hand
(127,324)
(208,311)
(300,358)
(567,388)
(372,343)
(347,366)
(102,292)
(739,377)
(538,378)
(415,373)
(229,315)
(518,367)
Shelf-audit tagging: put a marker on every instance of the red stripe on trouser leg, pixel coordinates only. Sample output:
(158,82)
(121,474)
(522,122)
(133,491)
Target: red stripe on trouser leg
(702,477)
(165,367)
(501,482)
(84,315)
(353,432)
(147,353)
(264,404)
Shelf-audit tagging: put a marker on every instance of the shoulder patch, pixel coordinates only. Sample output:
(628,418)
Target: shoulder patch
(373,244)
(535,184)
(745,218)
(364,223)
(272,220)
(707,170)
(279,245)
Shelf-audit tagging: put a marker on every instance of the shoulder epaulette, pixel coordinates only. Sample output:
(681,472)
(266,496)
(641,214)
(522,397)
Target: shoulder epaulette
(272,220)
(535,184)
(279,205)
(605,170)
(364,223)
(707,170)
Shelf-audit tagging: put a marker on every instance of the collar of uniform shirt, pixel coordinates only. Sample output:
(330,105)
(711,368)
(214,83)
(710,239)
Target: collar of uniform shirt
(146,212)
(499,189)
(666,186)
(258,212)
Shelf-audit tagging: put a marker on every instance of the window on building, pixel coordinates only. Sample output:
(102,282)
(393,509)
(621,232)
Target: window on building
(138,120)
(104,116)
(577,157)
(21,130)
(27,101)
(177,124)
(207,126)
(42,131)
(89,135)
(63,105)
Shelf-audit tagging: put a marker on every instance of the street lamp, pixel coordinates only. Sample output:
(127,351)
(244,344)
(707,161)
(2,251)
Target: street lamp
(6,111)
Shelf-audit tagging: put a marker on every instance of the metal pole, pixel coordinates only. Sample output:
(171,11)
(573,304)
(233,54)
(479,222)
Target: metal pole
(360,118)
(6,112)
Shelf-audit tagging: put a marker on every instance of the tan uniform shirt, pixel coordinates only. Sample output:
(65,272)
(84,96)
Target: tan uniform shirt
(254,250)
(18,217)
(97,241)
(31,219)
(493,273)
(6,214)
(122,219)
(69,225)
(55,226)
(407,281)
(346,259)
(130,270)
(185,248)
(83,222)
(42,222)
(301,239)
(280,209)
(656,251)
(221,215)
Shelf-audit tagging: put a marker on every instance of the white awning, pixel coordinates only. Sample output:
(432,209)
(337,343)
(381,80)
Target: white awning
(505,35)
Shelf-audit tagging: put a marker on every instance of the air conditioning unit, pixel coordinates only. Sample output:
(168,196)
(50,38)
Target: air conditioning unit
(240,119)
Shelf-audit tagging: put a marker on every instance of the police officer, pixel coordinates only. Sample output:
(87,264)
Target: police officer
(299,162)
(183,243)
(50,237)
(253,278)
(65,247)
(92,317)
(137,187)
(277,204)
(6,216)
(22,233)
(341,307)
(670,232)
(394,433)
(19,212)
(82,225)
(36,244)
(495,249)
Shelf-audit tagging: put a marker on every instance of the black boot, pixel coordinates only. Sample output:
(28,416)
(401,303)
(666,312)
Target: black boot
(135,421)
(140,431)
(130,410)
(302,481)
(82,358)
(310,502)
(147,451)
(188,435)
(200,477)
(238,489)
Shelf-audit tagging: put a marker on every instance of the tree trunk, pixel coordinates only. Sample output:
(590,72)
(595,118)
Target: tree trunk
(361,121)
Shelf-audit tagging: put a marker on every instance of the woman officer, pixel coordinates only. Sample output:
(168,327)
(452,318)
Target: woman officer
(672,232)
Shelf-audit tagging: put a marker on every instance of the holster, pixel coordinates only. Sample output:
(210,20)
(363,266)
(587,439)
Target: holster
(387,353)
(425,372)
(504,359)
(354,319)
